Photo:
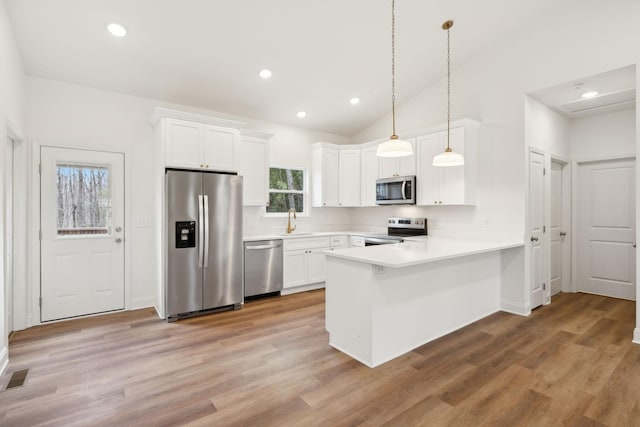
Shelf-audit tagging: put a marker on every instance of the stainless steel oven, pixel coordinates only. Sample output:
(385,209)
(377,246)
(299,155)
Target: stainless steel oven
(397,229)
(398,190)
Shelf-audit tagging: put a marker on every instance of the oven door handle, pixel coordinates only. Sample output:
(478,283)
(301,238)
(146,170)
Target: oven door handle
(379,241)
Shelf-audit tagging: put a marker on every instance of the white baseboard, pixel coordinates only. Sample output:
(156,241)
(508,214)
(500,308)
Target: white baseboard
(636,335)
(288,291)
(515,308)
(4,360)
(145,302)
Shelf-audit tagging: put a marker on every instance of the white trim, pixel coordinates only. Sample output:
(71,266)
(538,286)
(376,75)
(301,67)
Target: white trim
(138,303)
(255,134)
(161,113)
(514,307)
(304,288)
(636,336)
(4,359)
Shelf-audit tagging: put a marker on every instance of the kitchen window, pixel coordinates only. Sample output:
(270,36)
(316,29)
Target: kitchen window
(287,189)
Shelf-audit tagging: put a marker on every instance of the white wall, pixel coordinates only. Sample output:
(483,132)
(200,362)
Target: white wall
(11,120)
(546,130)
(604,135)
(62,114)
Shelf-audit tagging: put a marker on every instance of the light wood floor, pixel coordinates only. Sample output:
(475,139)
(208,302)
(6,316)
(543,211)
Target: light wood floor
(570,363)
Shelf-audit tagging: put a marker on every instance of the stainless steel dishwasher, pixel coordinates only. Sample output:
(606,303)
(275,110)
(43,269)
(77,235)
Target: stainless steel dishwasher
(262,267)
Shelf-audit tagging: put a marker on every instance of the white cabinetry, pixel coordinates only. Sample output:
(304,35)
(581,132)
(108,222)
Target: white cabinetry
(398,166)
(253,165)
(349,178)
(196,145)
(335,175)
(304,262)
(454,185)
(324,172)
(368,175)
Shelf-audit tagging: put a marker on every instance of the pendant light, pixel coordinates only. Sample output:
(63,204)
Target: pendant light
(448,158)
(394,147)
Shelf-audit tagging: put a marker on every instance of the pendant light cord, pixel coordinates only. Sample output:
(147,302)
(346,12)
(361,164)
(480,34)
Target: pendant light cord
(448,86)
(393,65)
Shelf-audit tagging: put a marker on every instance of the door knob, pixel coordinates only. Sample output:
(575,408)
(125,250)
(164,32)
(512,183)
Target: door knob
(534,239)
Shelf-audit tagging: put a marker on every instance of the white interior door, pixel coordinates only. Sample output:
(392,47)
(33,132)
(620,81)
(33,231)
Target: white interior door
(557,234)
(8,234)
(606,228)
(82,226)
(536,226)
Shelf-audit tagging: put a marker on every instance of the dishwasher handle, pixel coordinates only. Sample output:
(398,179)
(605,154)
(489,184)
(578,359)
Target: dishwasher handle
(256,247)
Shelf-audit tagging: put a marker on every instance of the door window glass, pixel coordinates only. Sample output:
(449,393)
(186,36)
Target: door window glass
(84,200)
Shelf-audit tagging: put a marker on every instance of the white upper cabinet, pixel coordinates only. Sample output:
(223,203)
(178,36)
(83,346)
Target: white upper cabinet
(454,185)
(368,176)
(398,166)
(349,178)
(325,182)
(335,175)
(253,165)
(195,145)
(220,148)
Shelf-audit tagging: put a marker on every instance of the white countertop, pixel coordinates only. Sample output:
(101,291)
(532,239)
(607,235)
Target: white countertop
(419,250)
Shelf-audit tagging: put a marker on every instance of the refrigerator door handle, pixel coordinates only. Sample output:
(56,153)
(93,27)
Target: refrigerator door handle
(206,231)
(200,231)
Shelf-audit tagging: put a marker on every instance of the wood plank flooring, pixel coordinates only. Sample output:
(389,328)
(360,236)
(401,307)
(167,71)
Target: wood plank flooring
(570,363)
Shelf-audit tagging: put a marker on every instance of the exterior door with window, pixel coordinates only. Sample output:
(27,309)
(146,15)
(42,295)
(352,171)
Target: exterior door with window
(82,232)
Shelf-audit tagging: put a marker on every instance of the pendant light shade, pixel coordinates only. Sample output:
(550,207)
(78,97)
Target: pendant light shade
(448,158)
(394,147)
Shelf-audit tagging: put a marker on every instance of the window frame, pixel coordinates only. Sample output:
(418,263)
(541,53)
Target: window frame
(304,192)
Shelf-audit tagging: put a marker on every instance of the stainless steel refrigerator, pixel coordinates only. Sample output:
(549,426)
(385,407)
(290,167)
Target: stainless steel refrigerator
(204,242)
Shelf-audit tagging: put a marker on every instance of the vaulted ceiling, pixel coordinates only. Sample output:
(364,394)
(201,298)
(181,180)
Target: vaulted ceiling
(207,53)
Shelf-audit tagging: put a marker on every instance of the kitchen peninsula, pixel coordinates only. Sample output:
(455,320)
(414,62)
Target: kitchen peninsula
(383,301)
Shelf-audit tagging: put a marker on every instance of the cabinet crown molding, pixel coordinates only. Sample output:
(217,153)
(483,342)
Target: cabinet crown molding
(255,134)
(161,113)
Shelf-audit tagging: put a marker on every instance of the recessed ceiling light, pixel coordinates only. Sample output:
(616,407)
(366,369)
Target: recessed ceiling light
(355,100)
(301,114)
(590,94)
(117,30)
(265,73)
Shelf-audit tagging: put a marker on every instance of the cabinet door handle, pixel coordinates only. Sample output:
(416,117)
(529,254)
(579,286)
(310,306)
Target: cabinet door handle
(534,239)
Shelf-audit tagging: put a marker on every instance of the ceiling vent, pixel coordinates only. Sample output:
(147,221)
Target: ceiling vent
(612,101)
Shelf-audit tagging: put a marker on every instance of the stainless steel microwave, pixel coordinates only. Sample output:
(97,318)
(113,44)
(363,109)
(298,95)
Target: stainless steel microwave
(398,190)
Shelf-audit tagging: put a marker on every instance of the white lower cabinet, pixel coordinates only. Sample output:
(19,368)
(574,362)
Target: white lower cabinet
(305,264)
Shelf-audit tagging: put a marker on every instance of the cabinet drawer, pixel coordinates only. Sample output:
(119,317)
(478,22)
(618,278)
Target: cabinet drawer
(310,243)
(339,241)
(357,241)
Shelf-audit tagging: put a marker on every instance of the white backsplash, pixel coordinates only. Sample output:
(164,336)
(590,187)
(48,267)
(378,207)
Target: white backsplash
(446,221)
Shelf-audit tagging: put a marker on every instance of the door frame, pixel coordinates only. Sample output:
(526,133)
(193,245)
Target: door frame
(575,165)
(33,315)
(567,223)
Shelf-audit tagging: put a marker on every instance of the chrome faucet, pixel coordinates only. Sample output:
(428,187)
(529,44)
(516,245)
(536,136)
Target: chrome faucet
(289,227)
